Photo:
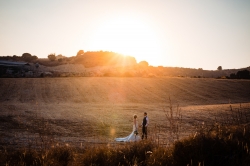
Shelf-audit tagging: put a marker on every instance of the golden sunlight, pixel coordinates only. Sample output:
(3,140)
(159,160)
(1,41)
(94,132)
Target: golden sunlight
(128,36)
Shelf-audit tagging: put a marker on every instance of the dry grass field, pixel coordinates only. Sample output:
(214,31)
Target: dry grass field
(92,110)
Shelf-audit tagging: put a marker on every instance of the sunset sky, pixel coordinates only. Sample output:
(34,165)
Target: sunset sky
(172,33)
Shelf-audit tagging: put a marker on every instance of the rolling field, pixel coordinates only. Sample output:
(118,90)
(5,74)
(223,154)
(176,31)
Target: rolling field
(98,109)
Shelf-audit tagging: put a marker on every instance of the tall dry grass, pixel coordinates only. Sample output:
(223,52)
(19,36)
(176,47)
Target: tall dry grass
(224,141)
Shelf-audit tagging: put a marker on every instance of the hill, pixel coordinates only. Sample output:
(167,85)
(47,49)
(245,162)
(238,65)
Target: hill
(103,64)
(79,111)
(111,90)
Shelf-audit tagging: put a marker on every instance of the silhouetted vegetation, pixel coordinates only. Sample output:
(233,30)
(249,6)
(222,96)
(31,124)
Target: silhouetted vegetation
(219,68)
(80,52)
(242,74)
(123,66)
(60,155)
(143,64)
(52,57)
(103,58)
(224,141)
(26,57)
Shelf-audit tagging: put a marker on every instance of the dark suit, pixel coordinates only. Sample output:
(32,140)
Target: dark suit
(144,127)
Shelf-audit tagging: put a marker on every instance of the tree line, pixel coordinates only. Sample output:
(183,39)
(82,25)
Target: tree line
(26,57)
(243,74)
(97,58)
(88,59)
(101,58)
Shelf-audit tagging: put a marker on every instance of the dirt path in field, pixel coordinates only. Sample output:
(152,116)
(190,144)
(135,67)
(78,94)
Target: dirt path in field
(82,110)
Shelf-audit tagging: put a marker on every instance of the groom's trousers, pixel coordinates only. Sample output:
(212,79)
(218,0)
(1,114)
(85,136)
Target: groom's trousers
(144,132)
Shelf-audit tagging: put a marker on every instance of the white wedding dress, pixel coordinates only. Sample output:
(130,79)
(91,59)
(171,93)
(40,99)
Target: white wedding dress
(131,138)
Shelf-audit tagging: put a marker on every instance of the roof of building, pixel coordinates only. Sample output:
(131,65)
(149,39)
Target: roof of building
(12,63)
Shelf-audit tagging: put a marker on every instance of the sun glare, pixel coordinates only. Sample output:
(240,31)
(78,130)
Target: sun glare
(128,36)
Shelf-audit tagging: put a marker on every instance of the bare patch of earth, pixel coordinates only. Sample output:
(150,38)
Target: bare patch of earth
(71,124)
(80,111)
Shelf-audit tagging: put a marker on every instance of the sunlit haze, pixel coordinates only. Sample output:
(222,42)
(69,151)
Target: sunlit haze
(183,33)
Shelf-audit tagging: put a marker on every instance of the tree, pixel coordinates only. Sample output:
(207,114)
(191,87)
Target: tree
(52,57)
(244,74)
(143,63)
(34,57)
(16,58)
(80,52)
(60,56)
(219,68)
(60,60)
(27,57)
(233,76)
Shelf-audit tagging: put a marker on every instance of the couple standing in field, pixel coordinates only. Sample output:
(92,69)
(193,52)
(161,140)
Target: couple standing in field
(134,135)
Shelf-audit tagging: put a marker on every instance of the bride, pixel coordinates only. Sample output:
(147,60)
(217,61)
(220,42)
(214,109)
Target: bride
(134,135)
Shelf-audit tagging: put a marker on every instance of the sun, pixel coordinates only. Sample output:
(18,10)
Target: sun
(128,36)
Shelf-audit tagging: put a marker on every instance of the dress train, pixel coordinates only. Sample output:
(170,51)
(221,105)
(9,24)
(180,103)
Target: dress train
(131,138)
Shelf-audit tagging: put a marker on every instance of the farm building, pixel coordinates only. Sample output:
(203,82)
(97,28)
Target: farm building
(13,69)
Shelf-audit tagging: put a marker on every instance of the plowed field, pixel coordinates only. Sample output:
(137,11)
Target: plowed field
(98,109)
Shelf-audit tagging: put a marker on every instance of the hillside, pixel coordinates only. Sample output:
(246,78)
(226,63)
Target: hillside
(89,110)
(110,65)
(134,71)
(186,91)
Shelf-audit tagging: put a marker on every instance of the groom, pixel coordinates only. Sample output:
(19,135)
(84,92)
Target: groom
(144,126)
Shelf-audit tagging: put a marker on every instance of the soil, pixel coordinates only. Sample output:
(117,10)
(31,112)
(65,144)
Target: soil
(92,110)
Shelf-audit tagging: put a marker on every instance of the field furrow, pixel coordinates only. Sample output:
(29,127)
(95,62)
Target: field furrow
(88,109)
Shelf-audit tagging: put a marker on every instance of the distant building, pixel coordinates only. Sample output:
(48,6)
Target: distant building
(13,69)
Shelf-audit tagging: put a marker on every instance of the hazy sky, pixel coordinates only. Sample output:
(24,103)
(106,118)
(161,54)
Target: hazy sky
(179,33)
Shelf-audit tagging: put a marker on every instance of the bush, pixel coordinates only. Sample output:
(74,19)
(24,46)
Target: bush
(244,74)
(219,68)
(27,57)
(52,57)
(208,150)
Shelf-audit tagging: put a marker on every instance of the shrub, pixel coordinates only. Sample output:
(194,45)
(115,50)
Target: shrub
(143,64)
(52,57)
(244,74)
(219,68)
(208,150)
(27,57)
